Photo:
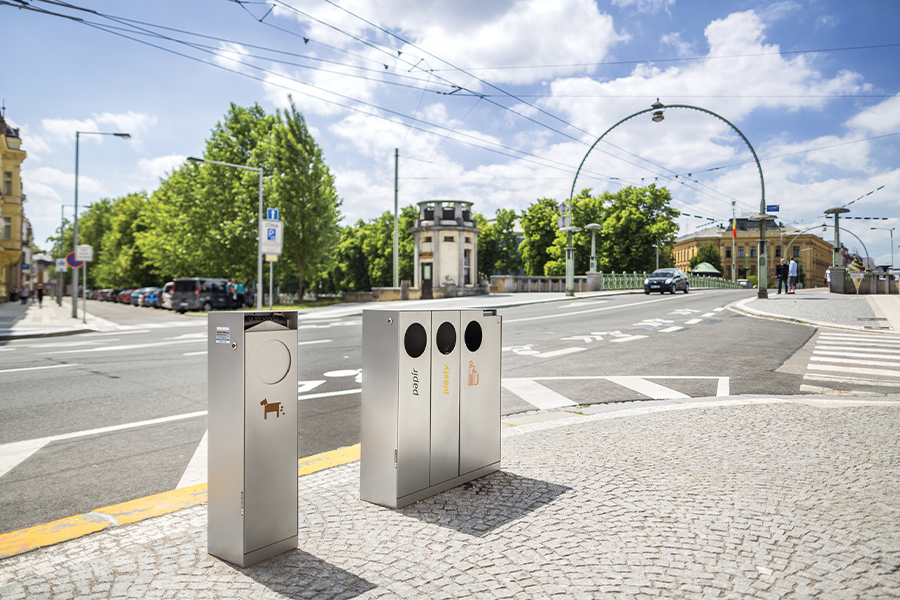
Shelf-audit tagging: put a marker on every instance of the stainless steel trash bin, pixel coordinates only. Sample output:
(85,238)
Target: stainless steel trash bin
(252,497)
(430,402)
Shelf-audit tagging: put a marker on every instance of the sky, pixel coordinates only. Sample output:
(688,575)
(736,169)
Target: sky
(495,102)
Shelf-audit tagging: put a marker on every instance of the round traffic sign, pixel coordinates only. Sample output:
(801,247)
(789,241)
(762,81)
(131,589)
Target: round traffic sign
(70,260)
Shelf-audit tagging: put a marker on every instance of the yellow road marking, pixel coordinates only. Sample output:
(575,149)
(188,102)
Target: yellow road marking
(70,528)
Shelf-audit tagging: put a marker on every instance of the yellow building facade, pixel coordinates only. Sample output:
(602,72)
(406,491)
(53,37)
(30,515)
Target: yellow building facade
(812,252)
(13,226)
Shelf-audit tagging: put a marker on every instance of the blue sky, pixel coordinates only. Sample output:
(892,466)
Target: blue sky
(494,102)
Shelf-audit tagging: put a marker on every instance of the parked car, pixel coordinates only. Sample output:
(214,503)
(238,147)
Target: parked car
(137,295)
(165,296)
(124,296)
(200,293)
(151,298)
(666,280)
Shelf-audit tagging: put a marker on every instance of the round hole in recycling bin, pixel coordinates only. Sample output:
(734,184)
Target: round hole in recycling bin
(473,336)
(445,338)
(271,361)
(415,340)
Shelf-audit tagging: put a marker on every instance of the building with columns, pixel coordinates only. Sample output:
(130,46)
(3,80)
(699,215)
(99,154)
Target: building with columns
(446,247)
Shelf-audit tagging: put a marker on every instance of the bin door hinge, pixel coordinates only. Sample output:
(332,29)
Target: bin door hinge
(395,459)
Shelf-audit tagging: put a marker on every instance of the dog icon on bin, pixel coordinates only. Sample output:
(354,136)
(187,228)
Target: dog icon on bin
(271,407)
(473,374)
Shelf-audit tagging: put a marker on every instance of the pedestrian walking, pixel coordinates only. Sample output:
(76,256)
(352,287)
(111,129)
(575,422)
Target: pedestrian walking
(781,272)
(792,276)
(40,295)
(231,294)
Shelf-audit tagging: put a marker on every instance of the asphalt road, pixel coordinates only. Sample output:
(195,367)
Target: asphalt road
(154,369)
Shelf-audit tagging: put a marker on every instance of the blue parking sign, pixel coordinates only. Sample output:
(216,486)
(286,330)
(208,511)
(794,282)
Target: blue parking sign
(271,234)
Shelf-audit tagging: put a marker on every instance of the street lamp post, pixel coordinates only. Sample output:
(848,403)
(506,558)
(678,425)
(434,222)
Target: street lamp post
(259,266)
(594,228)
(836,252)
(892,242)
(657,109)
(570,261)
(75,225)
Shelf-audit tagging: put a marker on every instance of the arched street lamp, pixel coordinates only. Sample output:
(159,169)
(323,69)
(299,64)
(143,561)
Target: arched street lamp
(892,242)
(657,109)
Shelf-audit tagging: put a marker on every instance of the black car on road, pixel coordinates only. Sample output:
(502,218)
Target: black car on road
(666,280)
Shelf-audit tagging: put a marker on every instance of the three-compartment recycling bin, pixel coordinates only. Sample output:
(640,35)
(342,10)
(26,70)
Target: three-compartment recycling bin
(252,493)
(430,402)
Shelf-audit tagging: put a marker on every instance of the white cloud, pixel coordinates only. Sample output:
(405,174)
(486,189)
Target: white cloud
(232,56)
(646,6)
(880,119)
(132,123)
(161,166)
(681,47)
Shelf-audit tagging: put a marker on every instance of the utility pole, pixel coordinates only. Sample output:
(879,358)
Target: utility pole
(396,220)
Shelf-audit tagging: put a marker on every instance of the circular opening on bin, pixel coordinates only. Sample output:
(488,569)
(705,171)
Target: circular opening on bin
(473,336)
(272,361)
(446,338)
(415,340)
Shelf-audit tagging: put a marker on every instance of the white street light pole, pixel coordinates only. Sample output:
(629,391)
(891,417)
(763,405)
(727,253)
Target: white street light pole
(892,242)
(259,220)
(75,226)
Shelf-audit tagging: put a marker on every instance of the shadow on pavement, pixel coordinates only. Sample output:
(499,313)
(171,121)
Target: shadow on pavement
(481,506)
(298,574)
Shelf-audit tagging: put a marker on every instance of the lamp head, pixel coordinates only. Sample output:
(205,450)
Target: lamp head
(193,159)
(658,113)
(123,135)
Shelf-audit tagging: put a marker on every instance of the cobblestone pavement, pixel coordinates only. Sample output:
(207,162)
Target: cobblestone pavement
(735,498)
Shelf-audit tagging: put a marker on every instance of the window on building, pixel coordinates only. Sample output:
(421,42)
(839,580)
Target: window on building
(727,252)
(7,183)
(740,252)
(753,252)
(468,240)
(777,251)
(427,238)
(796,253)
(7,228)
(449,238)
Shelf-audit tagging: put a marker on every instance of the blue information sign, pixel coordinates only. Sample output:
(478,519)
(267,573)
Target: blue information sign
(272,214)
(771,208)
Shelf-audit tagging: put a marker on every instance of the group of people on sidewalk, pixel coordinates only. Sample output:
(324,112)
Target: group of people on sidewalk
(24,293)
(787,275)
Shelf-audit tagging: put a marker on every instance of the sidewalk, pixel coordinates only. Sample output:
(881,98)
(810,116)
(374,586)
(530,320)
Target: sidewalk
(824,309)
(742,497)
(19,320)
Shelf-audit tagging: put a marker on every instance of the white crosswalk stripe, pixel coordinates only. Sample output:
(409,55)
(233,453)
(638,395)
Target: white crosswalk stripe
(855,362)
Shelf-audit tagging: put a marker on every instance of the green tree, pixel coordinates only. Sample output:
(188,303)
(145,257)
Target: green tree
(498,244)
(709,254)
(302,187)
(93,223)
(121,262)
(539,224)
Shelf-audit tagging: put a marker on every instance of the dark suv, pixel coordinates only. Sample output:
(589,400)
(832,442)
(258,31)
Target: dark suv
(666,280)
(199,293)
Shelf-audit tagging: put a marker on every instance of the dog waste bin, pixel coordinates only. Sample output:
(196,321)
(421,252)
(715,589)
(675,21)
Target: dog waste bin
(252,497)
(430,402)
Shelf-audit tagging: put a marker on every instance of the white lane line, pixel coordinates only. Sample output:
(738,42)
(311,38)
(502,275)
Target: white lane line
(647,388)
(328,394)
(853,361)
(313,342)
(308,386)
(582,312)
(709,314)
(857,370)
(195,353)
(857,347)
(14,453)
(724,386)
(879,339)
(196,471)
(6,349)
(718,309)
(68,344)
(692,321)
(36,368)
(670,329)
(560,352)
(630,338)
(853,380)
(127,347)
(536,394)
(856,354)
